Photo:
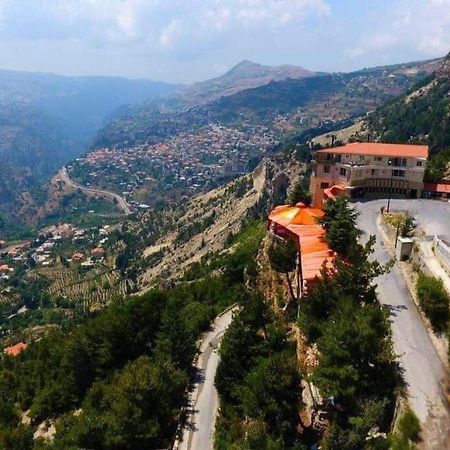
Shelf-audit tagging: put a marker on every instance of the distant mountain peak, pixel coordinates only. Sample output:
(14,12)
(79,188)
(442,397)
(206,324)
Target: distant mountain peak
(245,64)
(250,69)
(244,75)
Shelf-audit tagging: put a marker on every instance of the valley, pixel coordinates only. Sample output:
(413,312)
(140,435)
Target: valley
(117,297)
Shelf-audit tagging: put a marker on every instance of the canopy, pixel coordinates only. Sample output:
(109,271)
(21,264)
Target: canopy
(300,222)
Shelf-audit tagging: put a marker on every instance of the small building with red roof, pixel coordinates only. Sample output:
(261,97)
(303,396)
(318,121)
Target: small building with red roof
(14,350)
(440,190)
(98,253)
(77,256)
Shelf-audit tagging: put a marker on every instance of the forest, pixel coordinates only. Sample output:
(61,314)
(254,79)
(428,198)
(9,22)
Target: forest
(259,375)
(423,119)
(118,380)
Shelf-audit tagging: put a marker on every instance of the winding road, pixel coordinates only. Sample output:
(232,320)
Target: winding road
(423,371)
(203,405)
(120,201)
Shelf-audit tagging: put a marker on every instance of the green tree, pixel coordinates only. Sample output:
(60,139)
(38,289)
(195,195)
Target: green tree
(271,393)
(434,301)
(339,222)
(174,339)
(357,358)
(236,350)
(282,255)
(300,193)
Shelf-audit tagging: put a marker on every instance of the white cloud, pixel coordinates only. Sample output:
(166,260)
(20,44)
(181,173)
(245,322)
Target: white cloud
(413,26)
(158,24)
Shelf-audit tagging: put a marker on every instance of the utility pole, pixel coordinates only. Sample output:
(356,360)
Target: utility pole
(390,186)
(396,235)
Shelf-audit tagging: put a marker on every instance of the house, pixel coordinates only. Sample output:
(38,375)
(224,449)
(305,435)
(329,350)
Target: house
(364,169)
(299,223)
(98,253)
(14,350)
(4,268)
(437,190)
(77,256)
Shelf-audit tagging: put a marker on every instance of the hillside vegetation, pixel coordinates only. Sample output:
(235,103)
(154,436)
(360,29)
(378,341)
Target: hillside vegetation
(118,380)
(421,116)
(302,103)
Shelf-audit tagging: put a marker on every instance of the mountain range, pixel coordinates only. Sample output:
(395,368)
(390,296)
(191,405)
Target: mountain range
(47,120)
(304,102)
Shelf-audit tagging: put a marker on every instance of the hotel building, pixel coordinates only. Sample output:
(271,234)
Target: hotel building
(368,170)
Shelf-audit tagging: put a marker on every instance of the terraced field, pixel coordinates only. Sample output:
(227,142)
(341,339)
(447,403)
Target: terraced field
(93,289)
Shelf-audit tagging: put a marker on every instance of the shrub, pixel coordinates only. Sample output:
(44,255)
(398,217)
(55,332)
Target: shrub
(434,301)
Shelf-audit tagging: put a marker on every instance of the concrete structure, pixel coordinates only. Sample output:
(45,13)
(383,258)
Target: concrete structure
(368,170)
(404,248)
(441,245)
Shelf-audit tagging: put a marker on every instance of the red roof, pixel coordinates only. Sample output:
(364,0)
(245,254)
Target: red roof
(301,221)
(442,188)
(14,350)
(378,149)
(334,191)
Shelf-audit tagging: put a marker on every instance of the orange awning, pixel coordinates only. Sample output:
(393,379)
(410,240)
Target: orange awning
(301,221)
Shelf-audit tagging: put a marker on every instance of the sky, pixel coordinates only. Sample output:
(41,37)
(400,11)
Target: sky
(190,40)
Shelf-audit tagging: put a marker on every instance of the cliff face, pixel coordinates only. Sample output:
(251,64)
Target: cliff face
(443,72)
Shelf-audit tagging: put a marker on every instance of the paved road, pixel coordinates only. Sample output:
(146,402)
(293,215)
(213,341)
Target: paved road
(121,202)
(424,372)
(198,432)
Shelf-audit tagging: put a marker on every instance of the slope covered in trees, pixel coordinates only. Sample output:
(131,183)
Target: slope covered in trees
(259,373)
(117,380)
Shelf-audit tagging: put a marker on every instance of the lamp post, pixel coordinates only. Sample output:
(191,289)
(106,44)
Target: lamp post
(390,186)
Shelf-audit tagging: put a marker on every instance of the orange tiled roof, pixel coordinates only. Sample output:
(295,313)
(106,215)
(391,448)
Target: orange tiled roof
(378,149)
(301,221)
(14,350)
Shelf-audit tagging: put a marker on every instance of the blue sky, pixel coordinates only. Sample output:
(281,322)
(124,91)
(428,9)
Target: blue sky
(188,40)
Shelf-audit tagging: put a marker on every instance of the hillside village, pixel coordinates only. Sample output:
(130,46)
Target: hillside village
(177,168)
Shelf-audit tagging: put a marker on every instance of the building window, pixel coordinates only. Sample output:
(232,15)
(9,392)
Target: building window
(338,158)
(399,162)
(419,163)
(378,158)
(324,185)
(329,157)
(398,173)
(373,172)
(343,172)
(326,169)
